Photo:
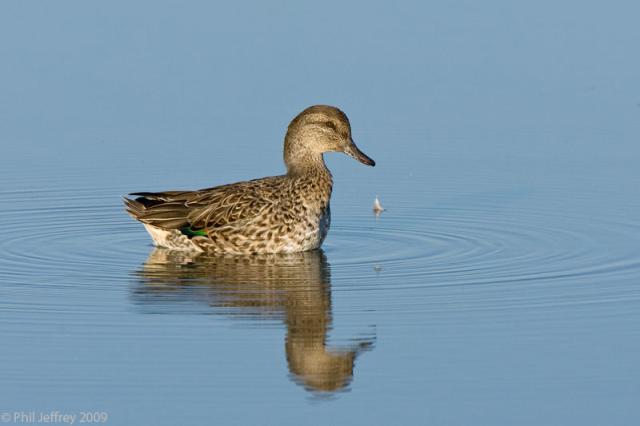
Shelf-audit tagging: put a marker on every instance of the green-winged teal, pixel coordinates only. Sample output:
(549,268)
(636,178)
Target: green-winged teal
(277,214)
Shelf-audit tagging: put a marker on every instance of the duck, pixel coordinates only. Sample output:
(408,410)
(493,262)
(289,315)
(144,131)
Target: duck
(287,213)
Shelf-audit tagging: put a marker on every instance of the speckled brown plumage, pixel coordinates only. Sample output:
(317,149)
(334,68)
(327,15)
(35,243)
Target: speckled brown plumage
(278,214)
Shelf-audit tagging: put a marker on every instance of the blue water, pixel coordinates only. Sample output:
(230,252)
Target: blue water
(500,286)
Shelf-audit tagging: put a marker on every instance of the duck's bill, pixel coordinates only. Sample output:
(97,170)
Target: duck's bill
(354,152)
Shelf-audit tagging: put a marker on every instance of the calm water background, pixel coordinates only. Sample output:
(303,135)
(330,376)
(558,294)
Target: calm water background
(501,286)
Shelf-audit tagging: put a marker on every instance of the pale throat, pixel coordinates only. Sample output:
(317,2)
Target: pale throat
(302,160)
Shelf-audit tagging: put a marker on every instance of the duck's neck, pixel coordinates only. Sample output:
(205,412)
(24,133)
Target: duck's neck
(304,164)
(301,160)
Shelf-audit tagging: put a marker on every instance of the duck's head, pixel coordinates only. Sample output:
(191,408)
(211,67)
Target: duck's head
(316,130)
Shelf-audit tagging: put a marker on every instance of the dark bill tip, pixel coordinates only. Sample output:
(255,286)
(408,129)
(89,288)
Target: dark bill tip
(366,160)
(353,151)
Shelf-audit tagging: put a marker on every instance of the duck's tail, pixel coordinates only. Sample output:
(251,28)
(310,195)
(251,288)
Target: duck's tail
(134,208)
(159,209)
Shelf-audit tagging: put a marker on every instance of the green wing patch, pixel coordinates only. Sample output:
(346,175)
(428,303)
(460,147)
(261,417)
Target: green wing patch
(191,232)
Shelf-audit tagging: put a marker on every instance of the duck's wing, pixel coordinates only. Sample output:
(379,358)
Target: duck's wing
(206,209)
(232,205)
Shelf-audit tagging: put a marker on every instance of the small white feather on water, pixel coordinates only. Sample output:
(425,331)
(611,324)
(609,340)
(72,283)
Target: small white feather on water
(377,207)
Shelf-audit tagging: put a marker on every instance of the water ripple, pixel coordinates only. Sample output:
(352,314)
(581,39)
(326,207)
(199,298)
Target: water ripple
(75,236)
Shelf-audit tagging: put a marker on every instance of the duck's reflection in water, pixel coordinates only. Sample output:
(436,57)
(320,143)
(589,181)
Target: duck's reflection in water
(295,287)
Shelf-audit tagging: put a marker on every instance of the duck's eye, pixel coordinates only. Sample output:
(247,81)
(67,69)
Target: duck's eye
(330,125)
